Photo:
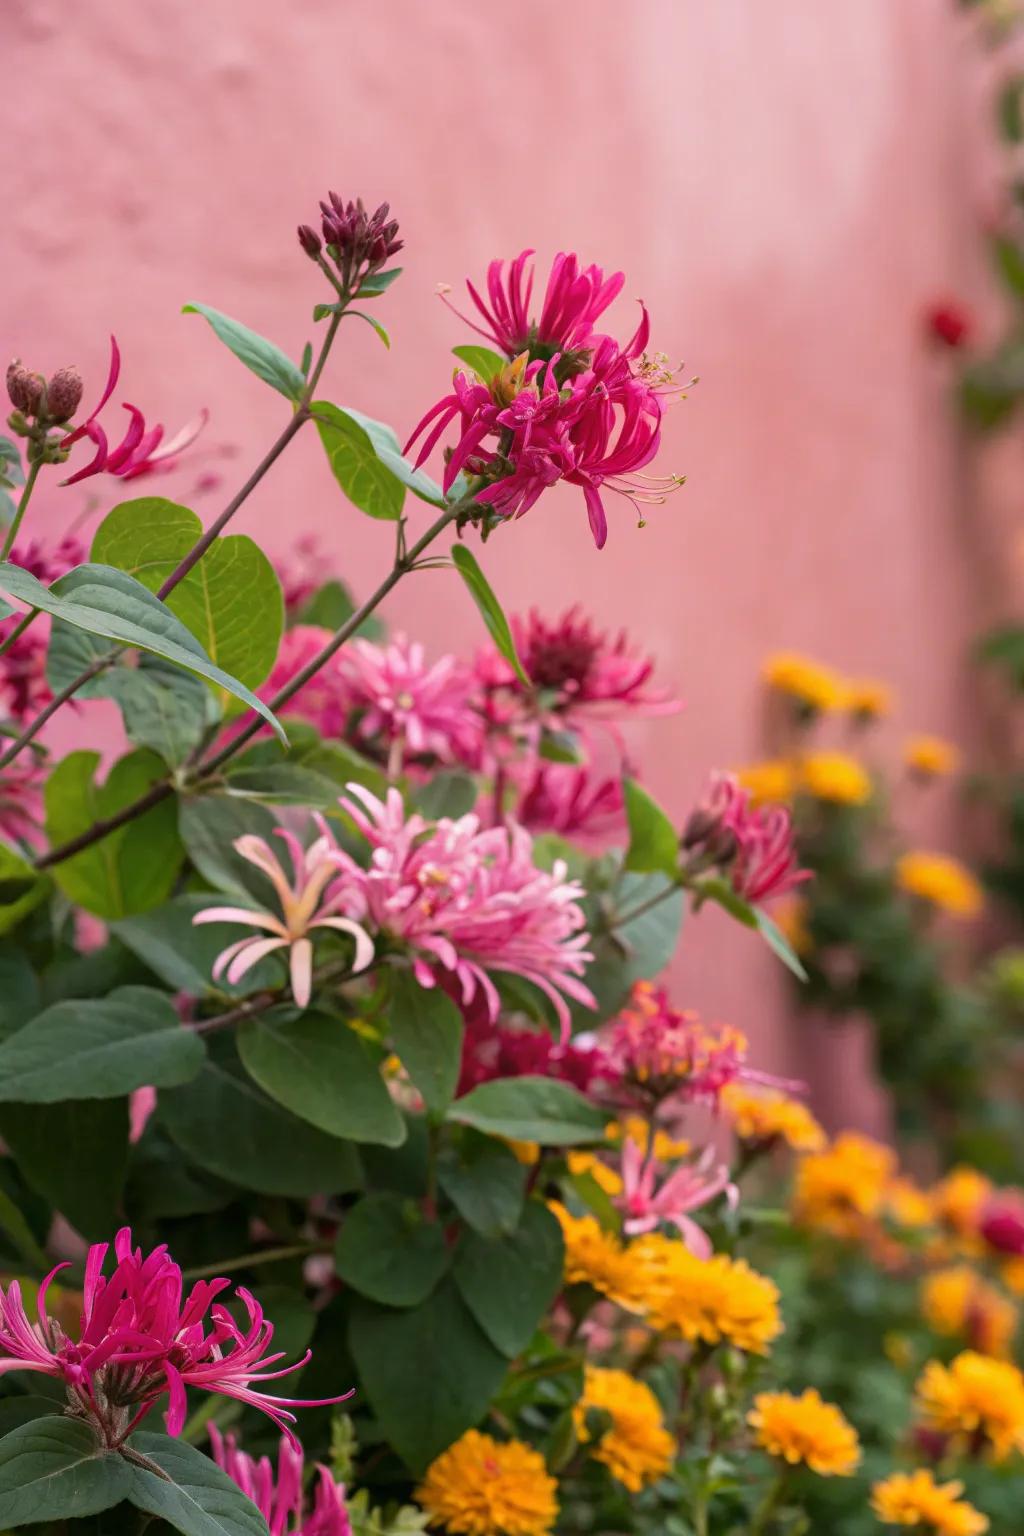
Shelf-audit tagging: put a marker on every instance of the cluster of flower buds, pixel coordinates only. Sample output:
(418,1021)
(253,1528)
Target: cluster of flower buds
(50,401)
(358,243)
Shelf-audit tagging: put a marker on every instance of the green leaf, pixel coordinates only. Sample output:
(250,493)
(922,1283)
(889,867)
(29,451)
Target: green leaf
(331,605)
(320,1069)
(559,747)
(439,1347)
(182,954)
(74,1155)
(367,482)
(634,950)
(777,941)
(1009,258)
(653,840)
(109,602)
(426,1031)
(54,1468)
(484,362)
(134,867)
(99,1050)
(446,794)
(162,708)
(228,1126)
(230,600)
(531,1109)
(194,1496)
(337,425)
(21,890)
(381,332)
(378,282)
(712,888)
(13,1223)
(310,772)
(209,826)
(1008,110)
(485,1182)
(509,1282)
(465,562)
(260,356)
(19,985)
(388,1252)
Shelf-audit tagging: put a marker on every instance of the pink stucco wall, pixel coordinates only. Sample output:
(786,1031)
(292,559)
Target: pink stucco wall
(787,184)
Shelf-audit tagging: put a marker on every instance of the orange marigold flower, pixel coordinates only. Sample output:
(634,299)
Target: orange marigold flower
(977,1401)
(771,782)
(958,1302)
(805,1429)
(915,1498)
(636,1447)
(597,1258)
(842,1188)
(958,1199)
(868,699)
(944,882)
(929,757)
(766,1117)
(712,1300)
(481,1485)
(808,682)
(836,777)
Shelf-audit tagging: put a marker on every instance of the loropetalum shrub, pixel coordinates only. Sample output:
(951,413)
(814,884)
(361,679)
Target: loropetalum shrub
(335,1002)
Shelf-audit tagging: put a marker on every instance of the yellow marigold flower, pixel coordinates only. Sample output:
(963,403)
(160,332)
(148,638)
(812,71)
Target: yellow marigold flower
(908,1204)
(481,1485)
(596,1257)
(915,1498)
(712,1299)
(868,698)
(637,1449)
(766,1116)
(835,776)
(958,1198)
(635,1128)
(975,1398)
(838,1190)
(1012,1271)
(805,1429)
(604,1177)
(807,681)
(945,882)
(958,1302)
(930,757)
(771,782)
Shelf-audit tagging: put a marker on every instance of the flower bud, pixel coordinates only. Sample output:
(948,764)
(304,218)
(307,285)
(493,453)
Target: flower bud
(24,389)
(63,394)
(310,241)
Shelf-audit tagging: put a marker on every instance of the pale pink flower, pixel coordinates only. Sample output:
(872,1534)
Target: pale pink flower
(401,698)
(141,1104)
(575,297)
(312,898)
(754,845)
(466,900)
(279,1498)
(571,800)
(142,1339)
(646,1205)
(139,452)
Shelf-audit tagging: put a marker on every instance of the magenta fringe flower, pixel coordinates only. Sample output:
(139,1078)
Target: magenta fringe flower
(142,1339)
(575,298)
(753,845)
(408,707)
(279,1498)
(324,699)
(646,1205)
(312,898)
(139,452)
(491,1050)
(574,802)
(466,900)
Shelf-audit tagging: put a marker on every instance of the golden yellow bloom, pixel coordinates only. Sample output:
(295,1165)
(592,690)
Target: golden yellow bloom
(637,1449)
(915,1498)
(712,1299)
(835,776)
(975,1398)
(958,1198)
(805,680)
(868,698)
(930,757)
(766,1116)
(604,1177)
(1012,1272)
(596,1257)
(634,1127)
(908,1204)
(480,1485)
(805,1429)
(945,882)
(771,782)
(960,1302)
(845,1186)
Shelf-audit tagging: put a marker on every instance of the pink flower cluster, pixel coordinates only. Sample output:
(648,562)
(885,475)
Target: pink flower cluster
(280,1498)
(754,845)
(466,900)
(491,1050)
(571,405)
(142,1339)
(660,1052)
(23,686)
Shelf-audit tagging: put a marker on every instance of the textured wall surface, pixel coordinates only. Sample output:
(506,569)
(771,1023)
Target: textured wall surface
(786,185)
